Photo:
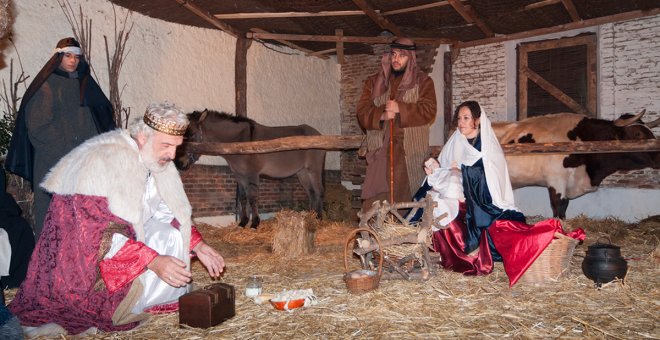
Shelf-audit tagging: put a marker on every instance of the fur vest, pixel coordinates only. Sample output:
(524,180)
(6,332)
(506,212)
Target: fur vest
(109,166)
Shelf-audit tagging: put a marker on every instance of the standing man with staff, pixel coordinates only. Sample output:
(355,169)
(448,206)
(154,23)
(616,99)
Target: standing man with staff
(396,109)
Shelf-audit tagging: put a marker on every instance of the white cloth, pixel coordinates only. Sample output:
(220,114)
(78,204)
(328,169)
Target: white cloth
(162,237)
(447,192)
(459,150)
(5,253)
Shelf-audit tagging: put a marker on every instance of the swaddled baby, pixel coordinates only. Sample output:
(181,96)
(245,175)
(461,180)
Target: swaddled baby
(447,190)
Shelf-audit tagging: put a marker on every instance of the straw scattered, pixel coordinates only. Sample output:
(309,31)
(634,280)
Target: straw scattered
(448,305)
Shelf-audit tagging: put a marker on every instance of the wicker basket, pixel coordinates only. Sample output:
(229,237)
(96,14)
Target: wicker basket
(553,263)
(365,283)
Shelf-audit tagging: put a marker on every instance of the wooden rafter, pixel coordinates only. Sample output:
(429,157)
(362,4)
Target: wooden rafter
(320,53)
(572,11)
(566,27)
(379,19)
(471,17)
(288,43)
(541,4)
(346,39)
(208,17)
(269,15)
(266,15)
(417,8)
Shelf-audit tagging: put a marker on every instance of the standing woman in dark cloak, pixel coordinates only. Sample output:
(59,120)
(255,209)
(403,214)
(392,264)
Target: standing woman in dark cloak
(62,107)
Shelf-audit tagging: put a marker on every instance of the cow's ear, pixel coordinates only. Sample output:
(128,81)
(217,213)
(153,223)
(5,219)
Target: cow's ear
(203,116)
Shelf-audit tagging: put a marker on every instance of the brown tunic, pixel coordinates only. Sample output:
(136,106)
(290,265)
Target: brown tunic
(417,112)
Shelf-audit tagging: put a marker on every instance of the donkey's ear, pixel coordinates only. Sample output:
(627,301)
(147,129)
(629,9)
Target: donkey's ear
(203,116)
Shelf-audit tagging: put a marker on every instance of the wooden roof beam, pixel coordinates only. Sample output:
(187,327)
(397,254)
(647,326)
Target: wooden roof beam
(540,4)
(417,8)
(471,17)
(322,52)
(572,11)
(379,19)
(267,15)
(287,43)
(345,39)
(566,27)
(208,17)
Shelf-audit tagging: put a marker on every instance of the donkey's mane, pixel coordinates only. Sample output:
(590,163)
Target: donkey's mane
(233,118)
(230,117)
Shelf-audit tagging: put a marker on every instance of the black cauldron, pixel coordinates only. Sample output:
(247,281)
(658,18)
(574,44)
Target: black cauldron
(604,263)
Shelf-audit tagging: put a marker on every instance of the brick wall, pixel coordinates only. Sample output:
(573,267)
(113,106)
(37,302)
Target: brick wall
(212,191)
(629,82)
(479,74)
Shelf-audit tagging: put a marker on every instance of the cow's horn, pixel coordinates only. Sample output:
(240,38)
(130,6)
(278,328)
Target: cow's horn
(653,124)
(625,122)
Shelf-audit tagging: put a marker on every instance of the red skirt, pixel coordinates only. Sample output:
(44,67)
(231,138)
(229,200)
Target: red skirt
(518,243)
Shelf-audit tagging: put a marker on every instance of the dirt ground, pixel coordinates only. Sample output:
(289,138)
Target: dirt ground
(448,305)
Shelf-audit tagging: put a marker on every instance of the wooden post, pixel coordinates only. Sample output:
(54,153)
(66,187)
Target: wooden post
(340,46)
(448,93)
(240,75)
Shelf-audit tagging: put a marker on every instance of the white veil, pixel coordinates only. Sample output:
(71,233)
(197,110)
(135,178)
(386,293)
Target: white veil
(458,149)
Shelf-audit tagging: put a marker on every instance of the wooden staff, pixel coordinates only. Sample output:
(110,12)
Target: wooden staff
(391,160)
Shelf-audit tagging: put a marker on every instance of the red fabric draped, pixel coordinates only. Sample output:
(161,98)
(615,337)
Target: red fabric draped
(518,243)
(127,264)
(450,244)
(59,286)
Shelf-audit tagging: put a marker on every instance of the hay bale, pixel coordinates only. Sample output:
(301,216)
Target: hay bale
(294,233)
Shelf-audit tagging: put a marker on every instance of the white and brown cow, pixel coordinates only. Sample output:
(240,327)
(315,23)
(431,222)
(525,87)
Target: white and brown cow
(571,176)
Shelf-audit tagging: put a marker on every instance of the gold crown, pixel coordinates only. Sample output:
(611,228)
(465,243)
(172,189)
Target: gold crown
(165,125)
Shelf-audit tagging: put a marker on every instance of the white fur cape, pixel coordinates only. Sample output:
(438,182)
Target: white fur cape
(109,165)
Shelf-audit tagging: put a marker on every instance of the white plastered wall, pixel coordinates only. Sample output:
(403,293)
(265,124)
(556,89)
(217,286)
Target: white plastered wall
(190,66)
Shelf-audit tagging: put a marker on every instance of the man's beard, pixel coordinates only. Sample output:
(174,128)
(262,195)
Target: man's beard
(149,159)
(399,72)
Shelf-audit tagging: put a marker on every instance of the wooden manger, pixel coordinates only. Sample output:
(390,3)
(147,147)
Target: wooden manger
(405,244)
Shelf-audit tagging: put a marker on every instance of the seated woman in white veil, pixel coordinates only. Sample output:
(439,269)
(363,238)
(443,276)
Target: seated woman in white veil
(470,181)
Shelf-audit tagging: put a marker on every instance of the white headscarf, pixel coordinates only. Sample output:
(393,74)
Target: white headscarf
(458,149)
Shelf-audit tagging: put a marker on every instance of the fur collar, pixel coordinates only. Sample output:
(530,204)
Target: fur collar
(109,166)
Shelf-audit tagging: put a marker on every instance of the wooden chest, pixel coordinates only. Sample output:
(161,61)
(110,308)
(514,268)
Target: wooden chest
(207,307)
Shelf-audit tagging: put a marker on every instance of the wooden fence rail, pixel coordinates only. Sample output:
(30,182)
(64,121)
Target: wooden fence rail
(338,143)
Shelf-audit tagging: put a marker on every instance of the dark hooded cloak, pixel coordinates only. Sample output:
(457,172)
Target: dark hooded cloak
(20,156)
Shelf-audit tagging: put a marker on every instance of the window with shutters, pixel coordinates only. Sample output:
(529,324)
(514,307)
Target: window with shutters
(557,76)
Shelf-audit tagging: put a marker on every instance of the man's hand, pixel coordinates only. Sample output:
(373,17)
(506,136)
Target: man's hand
(210,258)
(392,105)
(391,108)
(171,270)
